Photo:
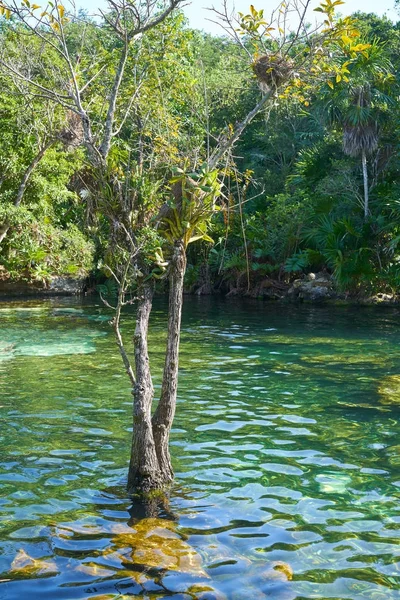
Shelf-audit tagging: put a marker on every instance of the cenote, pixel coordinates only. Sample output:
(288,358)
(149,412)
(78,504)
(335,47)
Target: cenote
(285,446)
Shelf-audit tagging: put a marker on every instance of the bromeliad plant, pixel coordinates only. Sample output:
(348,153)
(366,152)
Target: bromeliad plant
(193,202)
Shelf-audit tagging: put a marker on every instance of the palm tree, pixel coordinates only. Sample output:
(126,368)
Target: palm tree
(360,133)
(359,105)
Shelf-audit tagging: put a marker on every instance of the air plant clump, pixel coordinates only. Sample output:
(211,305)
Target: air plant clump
(72,135)
(272,71)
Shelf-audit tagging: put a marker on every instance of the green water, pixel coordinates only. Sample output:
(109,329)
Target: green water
(286,450)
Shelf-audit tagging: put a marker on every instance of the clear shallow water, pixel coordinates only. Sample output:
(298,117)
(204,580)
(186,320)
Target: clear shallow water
(286,450)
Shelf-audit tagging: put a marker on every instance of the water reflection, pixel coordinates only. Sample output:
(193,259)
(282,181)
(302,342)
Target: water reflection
(285,447)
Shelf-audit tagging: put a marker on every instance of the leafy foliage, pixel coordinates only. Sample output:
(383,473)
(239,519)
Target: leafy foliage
(37,251)
(299,210)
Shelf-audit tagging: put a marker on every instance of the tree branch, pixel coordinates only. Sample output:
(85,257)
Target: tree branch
(230,140)
(24,182)
(108,130)
(116,325)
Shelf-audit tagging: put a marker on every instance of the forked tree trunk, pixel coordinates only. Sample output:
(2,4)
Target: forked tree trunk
(144,471)
(165,412)
(365,179)
(150,466)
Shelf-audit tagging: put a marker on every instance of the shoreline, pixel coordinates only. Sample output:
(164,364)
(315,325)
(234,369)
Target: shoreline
(313,289)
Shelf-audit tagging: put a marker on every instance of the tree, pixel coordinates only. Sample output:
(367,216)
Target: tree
(358,102)
(39,212)
(29,129)
(359,252)
(301,177)
(152,217)
(360,135)
(127,25)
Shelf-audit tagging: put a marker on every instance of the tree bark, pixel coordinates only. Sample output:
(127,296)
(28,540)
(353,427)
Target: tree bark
(110,119)
(365,178)
(165,412)
(144,472)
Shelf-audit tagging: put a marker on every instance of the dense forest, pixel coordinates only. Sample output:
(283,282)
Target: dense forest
(311,185)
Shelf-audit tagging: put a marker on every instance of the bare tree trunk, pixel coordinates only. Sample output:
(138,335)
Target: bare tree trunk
(165,412)
(144,472)
(24,182)
(365,178)
(109,124)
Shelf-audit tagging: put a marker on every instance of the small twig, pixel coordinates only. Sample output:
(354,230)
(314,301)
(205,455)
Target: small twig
(227,22)
(106,302)
(224,146)
(116,325)
(246,250)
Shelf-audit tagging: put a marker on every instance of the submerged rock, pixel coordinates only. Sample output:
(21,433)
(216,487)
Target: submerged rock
(155,543)
(6,350)
(49,343)
(389,390)
(282,567)
(205,592)
(94,570)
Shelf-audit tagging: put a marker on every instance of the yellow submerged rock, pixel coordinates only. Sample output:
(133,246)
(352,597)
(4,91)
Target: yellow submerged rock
(155,543)
(389,390)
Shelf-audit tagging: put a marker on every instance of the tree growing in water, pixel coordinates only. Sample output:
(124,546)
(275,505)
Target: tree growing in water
(156,198)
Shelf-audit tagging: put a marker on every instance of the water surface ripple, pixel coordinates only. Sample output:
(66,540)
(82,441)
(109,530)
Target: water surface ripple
(286,452)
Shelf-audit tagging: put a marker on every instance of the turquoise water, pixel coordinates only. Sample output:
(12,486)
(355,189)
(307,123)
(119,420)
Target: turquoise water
(286,450)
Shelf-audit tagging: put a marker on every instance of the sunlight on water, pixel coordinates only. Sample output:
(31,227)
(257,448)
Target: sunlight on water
(286,450)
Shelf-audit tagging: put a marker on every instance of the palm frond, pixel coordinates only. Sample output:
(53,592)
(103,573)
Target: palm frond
(360,138)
